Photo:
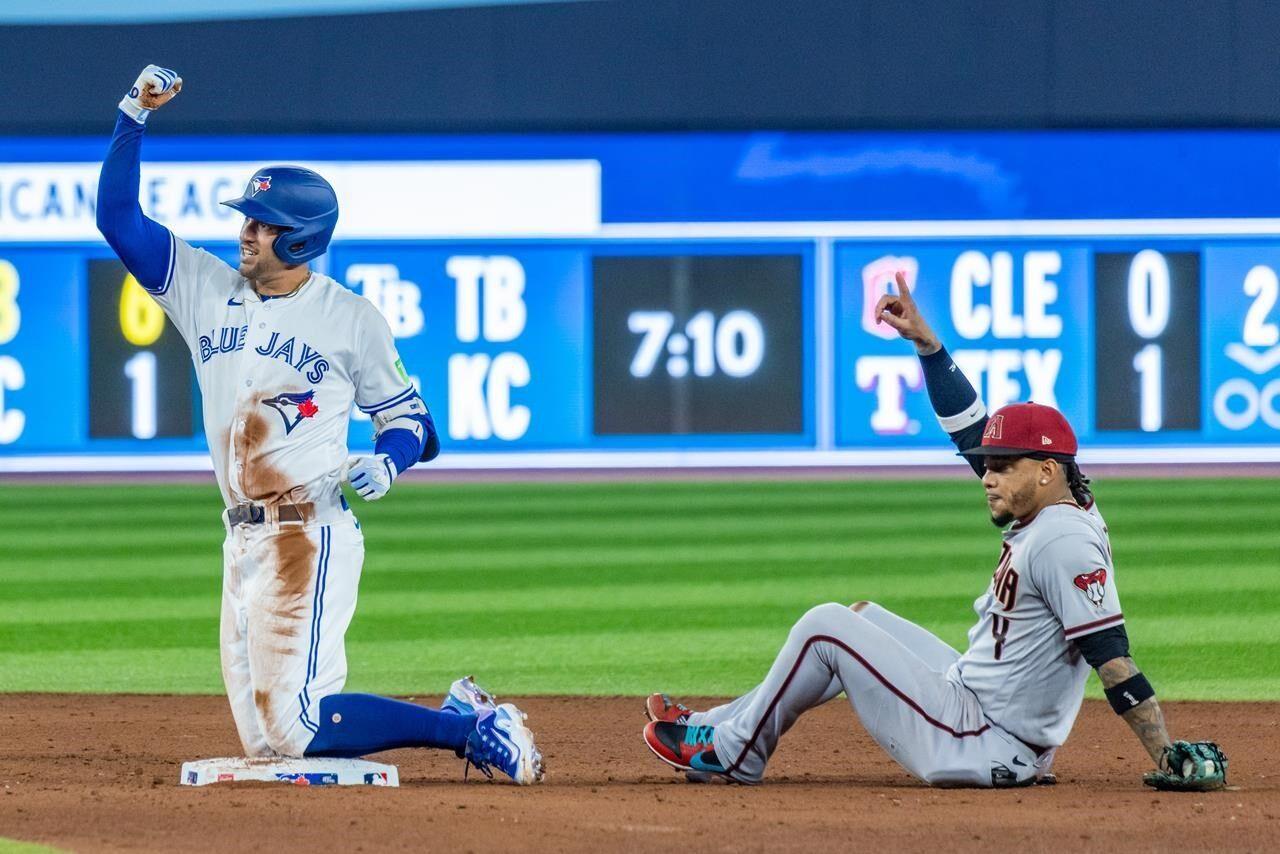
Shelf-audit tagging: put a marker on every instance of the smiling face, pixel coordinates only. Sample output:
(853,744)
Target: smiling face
(1018,487)
(258,259)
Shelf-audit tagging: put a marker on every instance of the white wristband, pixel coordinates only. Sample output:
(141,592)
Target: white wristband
(134,110)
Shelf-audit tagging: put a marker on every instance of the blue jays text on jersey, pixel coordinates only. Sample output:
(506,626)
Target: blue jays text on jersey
(307,359)
(231,339)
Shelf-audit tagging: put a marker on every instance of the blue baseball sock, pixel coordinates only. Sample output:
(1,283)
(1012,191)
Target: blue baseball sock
(356,724)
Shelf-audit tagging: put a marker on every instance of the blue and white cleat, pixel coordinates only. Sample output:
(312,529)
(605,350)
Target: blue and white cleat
(467,698)
(501,740)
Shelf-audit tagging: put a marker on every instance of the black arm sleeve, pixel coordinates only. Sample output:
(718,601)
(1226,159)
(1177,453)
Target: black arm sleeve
(959,409)
(1105,645)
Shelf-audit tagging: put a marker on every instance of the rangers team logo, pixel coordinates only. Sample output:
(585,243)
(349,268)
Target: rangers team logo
(877,280)
(995,428)
(294,407)
(1094,585)
(259,184)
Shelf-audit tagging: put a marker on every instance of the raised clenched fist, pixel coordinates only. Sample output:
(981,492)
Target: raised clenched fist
(154,88)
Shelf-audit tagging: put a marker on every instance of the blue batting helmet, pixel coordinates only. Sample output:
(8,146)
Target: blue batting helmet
(296,199)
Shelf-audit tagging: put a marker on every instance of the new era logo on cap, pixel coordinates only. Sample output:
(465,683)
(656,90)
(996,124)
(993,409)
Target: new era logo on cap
(1026,428)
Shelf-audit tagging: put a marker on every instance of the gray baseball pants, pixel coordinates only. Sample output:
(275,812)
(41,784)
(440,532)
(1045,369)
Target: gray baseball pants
(895,676)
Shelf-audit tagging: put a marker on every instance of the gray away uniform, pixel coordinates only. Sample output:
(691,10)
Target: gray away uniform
(990,717)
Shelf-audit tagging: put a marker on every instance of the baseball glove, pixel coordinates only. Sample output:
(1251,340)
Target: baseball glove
(1192,767)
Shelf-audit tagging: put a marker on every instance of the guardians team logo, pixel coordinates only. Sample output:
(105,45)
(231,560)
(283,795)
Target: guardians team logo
(293,407)
(259,184)
(1094,585)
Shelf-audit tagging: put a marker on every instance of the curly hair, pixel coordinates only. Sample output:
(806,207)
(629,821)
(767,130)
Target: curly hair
(1078,484)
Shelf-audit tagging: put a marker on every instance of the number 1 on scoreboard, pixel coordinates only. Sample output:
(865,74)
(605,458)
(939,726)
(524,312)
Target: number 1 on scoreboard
(141,371)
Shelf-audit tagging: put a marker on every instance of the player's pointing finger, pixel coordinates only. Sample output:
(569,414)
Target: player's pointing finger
(905,292)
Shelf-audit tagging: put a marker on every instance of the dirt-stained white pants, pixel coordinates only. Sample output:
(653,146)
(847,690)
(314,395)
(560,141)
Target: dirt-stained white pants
(288,595)
(895,676)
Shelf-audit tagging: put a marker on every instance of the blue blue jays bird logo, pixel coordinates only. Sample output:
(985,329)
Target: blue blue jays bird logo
(259,184)
(293,407)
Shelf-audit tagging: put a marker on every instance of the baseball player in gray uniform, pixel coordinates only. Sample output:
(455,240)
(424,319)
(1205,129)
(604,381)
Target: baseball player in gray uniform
(994,715)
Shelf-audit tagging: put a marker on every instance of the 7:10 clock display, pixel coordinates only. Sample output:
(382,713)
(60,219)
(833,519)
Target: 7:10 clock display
(687,344)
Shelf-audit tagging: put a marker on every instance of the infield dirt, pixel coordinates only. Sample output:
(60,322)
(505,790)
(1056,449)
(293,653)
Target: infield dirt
(100,773)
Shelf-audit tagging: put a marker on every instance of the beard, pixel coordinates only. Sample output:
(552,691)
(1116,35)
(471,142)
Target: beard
(1022,500)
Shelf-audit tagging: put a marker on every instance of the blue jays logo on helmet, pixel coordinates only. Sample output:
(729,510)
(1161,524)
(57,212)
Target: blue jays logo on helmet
(294,407)
(301,203)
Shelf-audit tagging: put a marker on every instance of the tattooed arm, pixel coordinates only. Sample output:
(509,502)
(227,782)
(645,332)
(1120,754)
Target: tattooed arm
(1144,718)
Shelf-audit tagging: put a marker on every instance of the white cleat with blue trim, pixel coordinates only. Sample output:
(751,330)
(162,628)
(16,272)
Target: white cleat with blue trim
(467,698)
(502,740)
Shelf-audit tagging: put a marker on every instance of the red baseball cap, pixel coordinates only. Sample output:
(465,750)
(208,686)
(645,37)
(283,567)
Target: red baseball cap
(1026,430)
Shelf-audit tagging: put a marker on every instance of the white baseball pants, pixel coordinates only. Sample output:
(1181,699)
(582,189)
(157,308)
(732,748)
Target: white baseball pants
(288,595)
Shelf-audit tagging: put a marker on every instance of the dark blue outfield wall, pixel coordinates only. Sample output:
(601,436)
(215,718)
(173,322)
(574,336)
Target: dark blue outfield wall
(673,64)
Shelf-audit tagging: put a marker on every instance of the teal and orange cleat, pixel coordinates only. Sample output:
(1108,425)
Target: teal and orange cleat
(686,748)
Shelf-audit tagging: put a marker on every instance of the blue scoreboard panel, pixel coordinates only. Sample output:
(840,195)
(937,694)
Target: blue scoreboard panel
(703,331)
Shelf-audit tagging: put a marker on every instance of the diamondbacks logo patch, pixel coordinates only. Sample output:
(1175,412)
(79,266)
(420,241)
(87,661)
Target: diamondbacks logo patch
(294,407)
(995,428)
(1094,585)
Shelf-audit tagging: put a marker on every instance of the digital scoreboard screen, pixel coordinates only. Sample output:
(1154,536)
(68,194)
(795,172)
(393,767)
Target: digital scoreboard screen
(689,344)
(619,296)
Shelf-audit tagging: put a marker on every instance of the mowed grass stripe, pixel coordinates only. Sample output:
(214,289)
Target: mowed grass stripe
(384,570)
(638,614)
(387,569)
(728,661)
(131,503)
(388,595)
(650,548)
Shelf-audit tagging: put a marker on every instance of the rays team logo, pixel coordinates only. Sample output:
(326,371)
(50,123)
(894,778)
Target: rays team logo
(294,407)
(1094,585)
(259,184)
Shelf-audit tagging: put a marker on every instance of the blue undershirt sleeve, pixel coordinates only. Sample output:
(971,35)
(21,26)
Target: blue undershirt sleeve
(959,409)
(140,242)
(403,445)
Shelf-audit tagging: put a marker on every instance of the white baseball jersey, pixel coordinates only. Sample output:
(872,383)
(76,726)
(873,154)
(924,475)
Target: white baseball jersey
(279,376)
(1055,582)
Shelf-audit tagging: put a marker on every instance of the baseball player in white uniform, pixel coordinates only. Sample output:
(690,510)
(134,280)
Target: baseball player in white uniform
(994,715)
(281,354)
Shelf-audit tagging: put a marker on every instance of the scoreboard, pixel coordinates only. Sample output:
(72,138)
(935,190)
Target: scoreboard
(589,330)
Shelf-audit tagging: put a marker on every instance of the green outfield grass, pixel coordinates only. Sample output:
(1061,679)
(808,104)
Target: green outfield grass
(620,588)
